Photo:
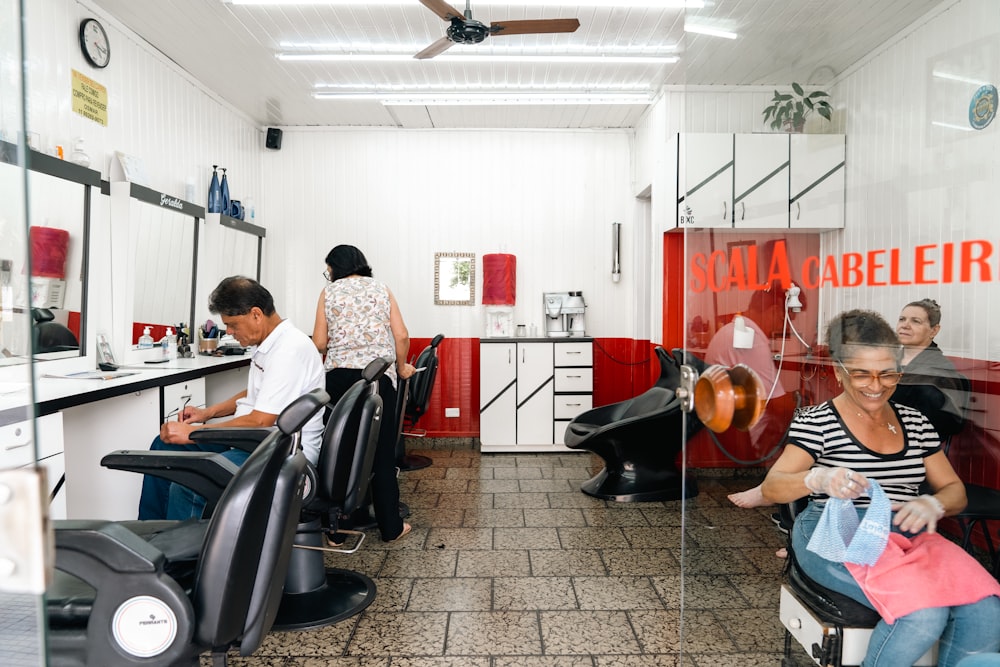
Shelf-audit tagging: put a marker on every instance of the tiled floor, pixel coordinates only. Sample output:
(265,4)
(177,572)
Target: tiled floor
(509,564)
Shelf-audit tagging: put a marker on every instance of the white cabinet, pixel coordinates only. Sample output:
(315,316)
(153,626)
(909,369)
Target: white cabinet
(175,397)
(530,390)
(817,182)
(760,183)
(751,181)
(18,449)
(705,180)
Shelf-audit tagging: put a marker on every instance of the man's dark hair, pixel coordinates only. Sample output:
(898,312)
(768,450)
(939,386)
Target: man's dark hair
(346,260)
(237,295)
(860,328)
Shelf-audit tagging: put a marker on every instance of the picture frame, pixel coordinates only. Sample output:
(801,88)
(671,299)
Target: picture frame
(454,278)
(104,353)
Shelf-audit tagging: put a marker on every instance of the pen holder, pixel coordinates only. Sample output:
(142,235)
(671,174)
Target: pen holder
(207,345)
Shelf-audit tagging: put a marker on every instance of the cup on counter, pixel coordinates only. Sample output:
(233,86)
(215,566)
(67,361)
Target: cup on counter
(207,345)
(522,331)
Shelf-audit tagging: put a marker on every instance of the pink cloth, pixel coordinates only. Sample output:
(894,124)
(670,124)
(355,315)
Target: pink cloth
(922,572)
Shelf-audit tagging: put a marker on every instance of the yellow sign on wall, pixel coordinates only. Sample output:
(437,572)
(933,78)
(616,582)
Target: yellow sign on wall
(90,99)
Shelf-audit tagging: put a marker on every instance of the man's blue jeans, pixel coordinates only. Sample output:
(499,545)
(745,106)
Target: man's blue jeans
(962,631)
(162,499)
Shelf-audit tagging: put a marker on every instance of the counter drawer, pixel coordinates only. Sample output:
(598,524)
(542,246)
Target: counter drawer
(569,406)
(574,379)
(17,447)
(574,354)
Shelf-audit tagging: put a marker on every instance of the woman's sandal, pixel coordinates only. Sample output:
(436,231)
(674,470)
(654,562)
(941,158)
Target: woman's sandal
(406,529)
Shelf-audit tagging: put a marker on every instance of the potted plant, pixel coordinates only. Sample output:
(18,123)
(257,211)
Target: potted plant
(790,110)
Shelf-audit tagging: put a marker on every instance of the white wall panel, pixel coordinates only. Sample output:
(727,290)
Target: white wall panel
(548,197)
(912,182)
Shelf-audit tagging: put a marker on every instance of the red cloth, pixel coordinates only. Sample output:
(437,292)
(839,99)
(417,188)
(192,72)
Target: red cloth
(499,279)
(922,572)
(49,247)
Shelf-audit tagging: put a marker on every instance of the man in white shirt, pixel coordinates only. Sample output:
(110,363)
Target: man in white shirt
(283,366)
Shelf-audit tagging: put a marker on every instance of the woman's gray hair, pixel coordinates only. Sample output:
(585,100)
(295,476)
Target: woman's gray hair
(860,328)
(930,307)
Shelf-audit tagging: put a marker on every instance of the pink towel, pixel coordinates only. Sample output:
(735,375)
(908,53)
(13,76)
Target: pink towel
(922,572)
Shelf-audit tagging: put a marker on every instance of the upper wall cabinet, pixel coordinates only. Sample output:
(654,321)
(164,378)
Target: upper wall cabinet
(753,181)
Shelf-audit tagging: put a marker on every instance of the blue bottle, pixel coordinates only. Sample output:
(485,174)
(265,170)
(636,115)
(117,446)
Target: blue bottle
(225,193)
(214,192)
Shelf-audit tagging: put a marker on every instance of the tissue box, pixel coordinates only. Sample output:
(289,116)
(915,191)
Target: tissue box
(47,292)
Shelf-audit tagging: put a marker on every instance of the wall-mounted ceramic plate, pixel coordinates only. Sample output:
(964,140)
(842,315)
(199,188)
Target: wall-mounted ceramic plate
(983,107)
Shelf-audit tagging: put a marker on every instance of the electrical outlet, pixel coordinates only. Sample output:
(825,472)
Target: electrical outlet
(451,412)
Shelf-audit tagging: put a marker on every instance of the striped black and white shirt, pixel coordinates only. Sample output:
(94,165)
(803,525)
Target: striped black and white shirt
(820,431)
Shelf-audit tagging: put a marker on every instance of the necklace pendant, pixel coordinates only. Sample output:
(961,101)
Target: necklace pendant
(892,429)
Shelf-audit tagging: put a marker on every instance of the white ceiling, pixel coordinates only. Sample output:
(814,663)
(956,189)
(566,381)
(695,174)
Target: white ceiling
(231,49)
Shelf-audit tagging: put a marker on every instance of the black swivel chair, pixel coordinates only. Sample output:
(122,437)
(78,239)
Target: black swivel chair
(114,602)
(49,335)
(411,403)
(639,440)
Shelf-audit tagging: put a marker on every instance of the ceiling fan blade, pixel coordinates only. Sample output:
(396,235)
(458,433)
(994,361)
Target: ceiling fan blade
(434,49)
(533,26)
(442,9)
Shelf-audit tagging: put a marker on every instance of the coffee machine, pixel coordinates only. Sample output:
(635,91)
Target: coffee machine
(563,314)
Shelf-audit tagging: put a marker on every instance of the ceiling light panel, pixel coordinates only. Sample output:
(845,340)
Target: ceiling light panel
(483,59)
(624,4)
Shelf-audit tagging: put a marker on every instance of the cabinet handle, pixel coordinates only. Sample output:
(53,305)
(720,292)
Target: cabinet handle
(743,211)
(523,351)
(798,209)
(572,352)
(508,356)
(725,207)
(573,405)
(574,376)
(10,448)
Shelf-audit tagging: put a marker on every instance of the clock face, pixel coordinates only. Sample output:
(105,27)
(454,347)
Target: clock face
(94,43)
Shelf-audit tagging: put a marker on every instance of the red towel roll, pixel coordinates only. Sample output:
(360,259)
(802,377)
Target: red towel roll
(499,279)
(49,247)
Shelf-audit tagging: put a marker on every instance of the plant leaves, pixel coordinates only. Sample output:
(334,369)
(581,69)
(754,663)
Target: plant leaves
(824,112)
(818,93)
(798,89)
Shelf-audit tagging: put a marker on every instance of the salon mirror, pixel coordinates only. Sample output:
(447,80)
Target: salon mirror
(164,267)
(48,311)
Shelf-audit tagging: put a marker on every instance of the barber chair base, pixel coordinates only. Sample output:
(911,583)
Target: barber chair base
(628,486)
(343,595)
(827,643)
(409,462)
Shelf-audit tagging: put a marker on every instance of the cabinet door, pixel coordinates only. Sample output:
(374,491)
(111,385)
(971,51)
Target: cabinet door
(706,165)
(177,396)
(760,183)
(497,393)
(817,181)
(534,393)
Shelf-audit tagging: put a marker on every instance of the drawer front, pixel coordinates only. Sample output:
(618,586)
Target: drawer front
(574,354)
(16,445)
(569,406)
(574,379)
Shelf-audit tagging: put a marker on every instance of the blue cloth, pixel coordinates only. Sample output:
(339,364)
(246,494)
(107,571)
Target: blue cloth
(842,538)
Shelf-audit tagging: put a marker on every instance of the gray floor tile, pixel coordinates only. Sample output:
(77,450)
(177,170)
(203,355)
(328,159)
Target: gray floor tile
(489,563)
(588,633)
(494,633)
(533,593)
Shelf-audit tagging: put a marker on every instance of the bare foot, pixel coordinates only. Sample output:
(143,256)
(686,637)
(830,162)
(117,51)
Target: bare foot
(406,529)
(747,499)
(781,553)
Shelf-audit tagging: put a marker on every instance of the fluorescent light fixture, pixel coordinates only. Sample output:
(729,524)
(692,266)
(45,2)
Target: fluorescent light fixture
(490,99)
(708,30)
(635,87)
(445,58)
(458,4)
(492,49)
(957,77)
(951,126)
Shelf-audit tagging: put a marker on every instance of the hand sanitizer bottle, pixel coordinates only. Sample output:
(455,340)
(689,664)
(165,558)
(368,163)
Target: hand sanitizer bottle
(169,343)
(145,340)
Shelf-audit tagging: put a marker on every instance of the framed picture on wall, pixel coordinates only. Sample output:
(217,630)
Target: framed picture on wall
(454,278)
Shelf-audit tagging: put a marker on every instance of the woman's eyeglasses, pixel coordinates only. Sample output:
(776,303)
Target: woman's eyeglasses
(329,278)
(862,378)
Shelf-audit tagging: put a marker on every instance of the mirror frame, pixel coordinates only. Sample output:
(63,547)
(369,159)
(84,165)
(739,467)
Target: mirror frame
(445,272)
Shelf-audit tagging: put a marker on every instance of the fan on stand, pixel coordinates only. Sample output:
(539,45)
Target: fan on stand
(466,30)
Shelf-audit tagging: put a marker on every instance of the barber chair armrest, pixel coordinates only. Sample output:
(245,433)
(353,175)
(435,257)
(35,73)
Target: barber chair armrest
(205,473)
(245,438)
(114,546)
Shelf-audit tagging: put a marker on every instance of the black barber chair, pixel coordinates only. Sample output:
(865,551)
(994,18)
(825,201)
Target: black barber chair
(49,335)
(639,440)
(316,596)
(411,403)
(113,602)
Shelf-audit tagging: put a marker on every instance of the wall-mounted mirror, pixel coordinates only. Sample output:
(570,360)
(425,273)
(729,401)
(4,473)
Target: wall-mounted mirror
(164,233)
(454,278)
(231,247)
(53,301)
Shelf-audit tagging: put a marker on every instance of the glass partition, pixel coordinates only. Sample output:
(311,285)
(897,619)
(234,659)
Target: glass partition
(22,580)
(886,208)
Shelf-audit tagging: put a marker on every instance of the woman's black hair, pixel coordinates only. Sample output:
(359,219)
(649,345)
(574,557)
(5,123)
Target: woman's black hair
(861,328)
(238,295)
(346,260)
(930,307)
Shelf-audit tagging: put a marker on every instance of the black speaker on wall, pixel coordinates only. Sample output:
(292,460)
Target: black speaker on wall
(273,139)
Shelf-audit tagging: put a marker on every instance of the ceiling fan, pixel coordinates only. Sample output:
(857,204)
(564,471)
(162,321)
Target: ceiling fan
(466,30)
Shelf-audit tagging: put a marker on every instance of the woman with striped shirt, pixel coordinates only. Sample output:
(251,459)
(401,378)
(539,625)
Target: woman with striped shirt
(834,449)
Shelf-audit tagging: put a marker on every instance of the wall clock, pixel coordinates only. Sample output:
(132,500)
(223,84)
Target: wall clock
(94,43)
